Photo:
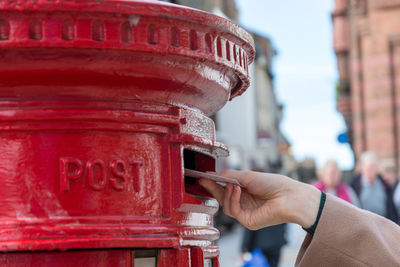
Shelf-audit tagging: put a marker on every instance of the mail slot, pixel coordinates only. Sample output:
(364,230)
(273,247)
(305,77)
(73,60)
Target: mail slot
(102,106)
(198,161)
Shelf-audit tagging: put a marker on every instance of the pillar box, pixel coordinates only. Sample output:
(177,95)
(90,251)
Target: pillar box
(102,106)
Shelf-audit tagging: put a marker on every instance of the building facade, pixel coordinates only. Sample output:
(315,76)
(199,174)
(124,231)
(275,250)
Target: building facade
(367,46)
(250,124)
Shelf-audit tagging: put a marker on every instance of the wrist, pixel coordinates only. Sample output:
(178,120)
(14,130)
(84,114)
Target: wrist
(305,205)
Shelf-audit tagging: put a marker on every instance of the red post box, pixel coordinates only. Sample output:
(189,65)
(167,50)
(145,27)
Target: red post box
(102,106)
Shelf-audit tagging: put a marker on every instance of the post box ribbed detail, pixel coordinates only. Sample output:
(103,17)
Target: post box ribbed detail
(102,105)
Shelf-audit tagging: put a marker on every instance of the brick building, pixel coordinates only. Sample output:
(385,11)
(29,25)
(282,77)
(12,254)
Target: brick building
(367,45)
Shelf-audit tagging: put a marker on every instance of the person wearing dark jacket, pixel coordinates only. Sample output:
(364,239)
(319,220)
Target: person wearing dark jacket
(389,175)
(269,240)
(374,193)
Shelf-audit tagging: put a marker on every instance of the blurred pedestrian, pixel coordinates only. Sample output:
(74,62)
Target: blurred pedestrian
(306,170)
(269,240)
(372,191)
(389,175)
(329,176)
(396,199)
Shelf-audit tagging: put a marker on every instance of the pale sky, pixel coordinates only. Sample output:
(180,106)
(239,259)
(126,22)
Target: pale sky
(305,73)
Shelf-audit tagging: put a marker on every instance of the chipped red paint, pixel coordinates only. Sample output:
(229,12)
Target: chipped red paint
(102,105)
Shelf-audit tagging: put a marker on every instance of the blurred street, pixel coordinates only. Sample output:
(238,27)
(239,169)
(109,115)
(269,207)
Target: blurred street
(230,247)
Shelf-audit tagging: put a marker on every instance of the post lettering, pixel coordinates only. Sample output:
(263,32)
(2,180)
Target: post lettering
(70,169)
(118,170)
(91,173)
(135,174)
(121,175)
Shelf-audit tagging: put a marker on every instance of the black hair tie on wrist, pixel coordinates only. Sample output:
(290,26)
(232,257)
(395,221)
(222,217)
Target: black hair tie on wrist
(312,228)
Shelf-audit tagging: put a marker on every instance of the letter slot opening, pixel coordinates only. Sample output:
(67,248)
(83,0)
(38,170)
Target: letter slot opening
(194,160)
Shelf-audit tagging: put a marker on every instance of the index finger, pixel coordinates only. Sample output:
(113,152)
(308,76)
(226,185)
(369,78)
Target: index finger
(257,183)
(243,177)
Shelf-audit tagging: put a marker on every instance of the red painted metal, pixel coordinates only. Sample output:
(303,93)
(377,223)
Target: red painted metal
(102,105)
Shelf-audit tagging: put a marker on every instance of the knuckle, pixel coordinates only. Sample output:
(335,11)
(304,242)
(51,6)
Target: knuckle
(252,227)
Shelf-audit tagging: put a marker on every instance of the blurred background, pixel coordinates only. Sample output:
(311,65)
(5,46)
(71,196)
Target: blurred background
(324,86)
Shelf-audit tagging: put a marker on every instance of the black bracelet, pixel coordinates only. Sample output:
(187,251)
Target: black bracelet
(312,228)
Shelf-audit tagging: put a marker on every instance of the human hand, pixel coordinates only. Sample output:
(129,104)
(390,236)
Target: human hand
(266,199)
